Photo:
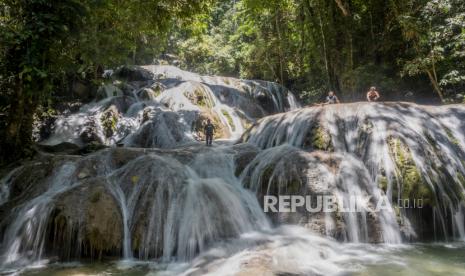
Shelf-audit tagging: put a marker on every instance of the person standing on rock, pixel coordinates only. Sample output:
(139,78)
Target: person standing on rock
(332,98)
(209,131)
(372,95)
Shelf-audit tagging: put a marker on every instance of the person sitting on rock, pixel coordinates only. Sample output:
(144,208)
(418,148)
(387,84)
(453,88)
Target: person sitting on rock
(372,94)
(332,98)
(209,131)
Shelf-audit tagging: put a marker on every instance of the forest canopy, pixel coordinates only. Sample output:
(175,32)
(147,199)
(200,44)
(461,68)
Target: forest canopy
(406,48)
(311,46)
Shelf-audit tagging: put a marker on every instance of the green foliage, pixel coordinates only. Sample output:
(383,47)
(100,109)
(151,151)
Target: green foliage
(47,43)
(412,184)
(229,118)
(437,34)
(345,45)
(321,140)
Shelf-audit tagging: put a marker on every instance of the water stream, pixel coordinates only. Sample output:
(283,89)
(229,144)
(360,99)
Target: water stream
(156,201)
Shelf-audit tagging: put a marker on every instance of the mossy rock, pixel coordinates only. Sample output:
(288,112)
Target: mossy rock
(200,97)
(198,125)
(412,184)
(90,215)
(229,118)
(318,138)
(109,120)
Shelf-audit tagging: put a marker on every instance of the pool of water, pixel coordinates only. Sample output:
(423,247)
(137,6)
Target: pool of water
(413,259)
(419,259)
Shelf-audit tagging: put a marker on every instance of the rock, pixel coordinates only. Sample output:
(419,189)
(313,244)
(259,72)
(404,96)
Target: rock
(83,175)
(133,73)
(245,154)
(107,91)
(92,147)
(147,94)
(161,129)
(81,90)
(318,138)
(285,170)
(221,131)
(88,214)
(109,120)
(61,148)
(122,104)
(91,134)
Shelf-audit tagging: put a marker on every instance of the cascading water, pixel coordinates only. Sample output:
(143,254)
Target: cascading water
(26,233)
(163,197)
(404,147)
(167,108)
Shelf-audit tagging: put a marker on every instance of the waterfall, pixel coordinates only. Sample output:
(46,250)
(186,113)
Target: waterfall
(169,109)
(155,193)
(429,140)
(26,233)
(172,205)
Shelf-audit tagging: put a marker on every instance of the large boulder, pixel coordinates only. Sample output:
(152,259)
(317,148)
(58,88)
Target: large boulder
(107,91)
(62,148)
(109,120)
(82,90)
(288,171)
(90,215)
(133,73)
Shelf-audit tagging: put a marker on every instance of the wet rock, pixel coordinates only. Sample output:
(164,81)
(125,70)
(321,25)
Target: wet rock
(90,133)
(107,91)
(92,147)
(122,104)
(245,154)
(290,171)
(221,131)
(147,94)
(109,120)
(82,90)
(161,129)
(88,214)
(61,148)
(133,73)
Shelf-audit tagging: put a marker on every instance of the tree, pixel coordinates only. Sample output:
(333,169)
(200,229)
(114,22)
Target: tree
(45,40)
(437,34)
(32,33)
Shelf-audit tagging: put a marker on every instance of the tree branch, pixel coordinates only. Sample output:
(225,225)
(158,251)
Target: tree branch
(342,7)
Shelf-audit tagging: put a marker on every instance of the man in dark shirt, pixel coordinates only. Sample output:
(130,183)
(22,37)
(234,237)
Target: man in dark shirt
(331,98)
(209,131)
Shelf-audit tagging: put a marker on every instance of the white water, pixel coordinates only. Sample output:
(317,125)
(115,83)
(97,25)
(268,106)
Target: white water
(434,136)
(350,179)
(26,233)
(187,205)
(162,112)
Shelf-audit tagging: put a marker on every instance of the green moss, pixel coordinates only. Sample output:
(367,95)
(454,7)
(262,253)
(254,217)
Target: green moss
(412,183)
(451,137)
(156,90)
(109,122)
(200,98)
(320,139)
(229,118)
(383,183)
(461,179)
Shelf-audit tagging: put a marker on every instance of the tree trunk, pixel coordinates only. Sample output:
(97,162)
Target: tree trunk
(15,116)
(281,65)
(342,7)
(18,134)
(435,84)
(324,49)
